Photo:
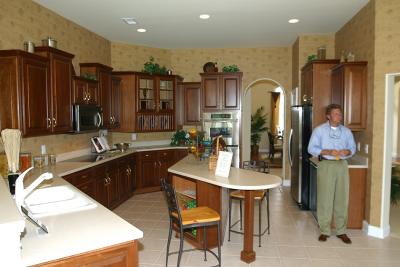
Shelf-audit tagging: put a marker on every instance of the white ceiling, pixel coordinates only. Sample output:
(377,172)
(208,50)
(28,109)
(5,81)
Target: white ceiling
(233,23)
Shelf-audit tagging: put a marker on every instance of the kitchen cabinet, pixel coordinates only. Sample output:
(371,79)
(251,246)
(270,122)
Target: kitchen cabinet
(60,98)
(85,91)
(192,103)
(115,102)
(127,90)
(110,183)
(151,167)
(221,91)
(316,87)
(103,75)
(25,92)
(155,107)
(180,154)
(349,89)
(126,173)
(119,255)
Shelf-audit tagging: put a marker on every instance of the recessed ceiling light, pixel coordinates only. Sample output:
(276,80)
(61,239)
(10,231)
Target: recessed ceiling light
(293,21)
(130,21)
(204,16)
(141,30)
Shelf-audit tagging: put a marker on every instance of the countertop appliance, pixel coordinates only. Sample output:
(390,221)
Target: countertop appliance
(227,124)
(87,118)
(299,138)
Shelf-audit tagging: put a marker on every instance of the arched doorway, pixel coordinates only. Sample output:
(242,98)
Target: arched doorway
(271,86)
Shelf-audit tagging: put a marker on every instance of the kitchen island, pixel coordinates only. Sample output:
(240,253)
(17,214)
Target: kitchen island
(191,178)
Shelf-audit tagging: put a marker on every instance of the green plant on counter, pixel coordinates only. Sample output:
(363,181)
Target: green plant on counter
(89,76)
(395,186)
(181,137)
(154,68)
(231,68)
(311,58)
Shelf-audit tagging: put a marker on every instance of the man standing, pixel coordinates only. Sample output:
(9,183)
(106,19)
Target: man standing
(332,143)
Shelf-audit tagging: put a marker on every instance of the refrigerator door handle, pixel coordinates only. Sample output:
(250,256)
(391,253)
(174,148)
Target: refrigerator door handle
(290,147)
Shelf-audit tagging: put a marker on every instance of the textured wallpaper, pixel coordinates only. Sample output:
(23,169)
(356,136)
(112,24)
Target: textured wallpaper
(23,20)
(357,36)
(127,57)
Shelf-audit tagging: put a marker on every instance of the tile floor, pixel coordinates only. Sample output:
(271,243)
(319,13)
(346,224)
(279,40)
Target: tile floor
(292,242)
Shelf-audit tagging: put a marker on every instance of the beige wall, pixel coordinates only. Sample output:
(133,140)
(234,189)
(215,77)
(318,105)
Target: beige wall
(24,20)
(127,57)
(372,35)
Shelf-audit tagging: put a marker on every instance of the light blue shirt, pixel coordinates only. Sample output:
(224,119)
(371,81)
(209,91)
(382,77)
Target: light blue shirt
(326,137)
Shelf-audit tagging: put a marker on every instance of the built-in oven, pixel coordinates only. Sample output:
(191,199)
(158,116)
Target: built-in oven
(227,125)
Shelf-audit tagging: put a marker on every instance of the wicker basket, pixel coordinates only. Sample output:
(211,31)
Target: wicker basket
(212,160)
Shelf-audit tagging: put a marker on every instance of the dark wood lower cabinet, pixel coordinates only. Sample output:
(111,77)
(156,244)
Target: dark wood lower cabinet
(152,166)
(110,183)
(120,255)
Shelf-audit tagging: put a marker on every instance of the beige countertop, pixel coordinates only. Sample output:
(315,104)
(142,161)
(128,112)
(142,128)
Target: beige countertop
(238,178)
(354,162)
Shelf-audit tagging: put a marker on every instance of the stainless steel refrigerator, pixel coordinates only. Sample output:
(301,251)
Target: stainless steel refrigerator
(300,133)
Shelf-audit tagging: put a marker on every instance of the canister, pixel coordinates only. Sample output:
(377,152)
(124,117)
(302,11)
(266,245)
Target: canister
(29,47)
(321,52)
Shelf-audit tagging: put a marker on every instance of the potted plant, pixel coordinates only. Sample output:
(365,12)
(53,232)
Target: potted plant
(258,121)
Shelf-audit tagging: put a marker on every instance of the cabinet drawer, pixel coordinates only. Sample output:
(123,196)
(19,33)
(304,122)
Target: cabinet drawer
(166,154)
(88,187)
(148,155)
(80,177)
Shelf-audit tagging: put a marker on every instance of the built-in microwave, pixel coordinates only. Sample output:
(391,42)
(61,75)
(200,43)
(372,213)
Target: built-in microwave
(87,118)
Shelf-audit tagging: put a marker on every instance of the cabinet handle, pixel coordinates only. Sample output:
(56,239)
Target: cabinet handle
(105,182)
(54,122)
(48,122)
(147,155)
(128,171)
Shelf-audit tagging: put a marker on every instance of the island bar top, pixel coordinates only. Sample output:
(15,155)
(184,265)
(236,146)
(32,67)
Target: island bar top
(239,179)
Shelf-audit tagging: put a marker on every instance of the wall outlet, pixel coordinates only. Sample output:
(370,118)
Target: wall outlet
(366,148)
(358,146)
(133,137)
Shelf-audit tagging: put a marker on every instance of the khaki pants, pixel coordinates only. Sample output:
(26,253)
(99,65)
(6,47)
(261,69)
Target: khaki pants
(332,195)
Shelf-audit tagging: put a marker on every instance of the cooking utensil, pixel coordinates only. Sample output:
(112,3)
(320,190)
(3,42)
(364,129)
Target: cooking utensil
(122,146)
(12,144)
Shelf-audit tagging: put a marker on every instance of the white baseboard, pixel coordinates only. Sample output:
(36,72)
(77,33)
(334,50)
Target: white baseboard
(374,231)
(286,182)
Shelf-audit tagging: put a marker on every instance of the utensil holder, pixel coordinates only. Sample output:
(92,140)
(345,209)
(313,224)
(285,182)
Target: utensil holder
(12,177)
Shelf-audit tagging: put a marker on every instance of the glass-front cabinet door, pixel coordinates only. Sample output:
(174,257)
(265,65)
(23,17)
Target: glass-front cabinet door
(166,94)
(146,94)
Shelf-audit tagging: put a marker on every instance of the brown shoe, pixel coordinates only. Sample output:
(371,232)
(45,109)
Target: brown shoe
(344,238)
(323,237)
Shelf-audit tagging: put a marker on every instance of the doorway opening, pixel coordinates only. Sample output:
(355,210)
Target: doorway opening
(270,95)
(390,214)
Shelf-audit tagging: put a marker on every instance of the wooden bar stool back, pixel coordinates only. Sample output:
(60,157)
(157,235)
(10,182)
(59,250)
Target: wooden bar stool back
(260,195)
(188,219)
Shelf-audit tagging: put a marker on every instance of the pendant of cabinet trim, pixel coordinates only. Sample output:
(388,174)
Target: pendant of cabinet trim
(221,91)
(349,89)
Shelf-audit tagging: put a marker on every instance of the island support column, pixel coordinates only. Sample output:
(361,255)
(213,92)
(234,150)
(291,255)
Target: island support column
(248,254)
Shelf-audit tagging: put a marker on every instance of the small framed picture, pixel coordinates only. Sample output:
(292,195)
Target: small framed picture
(98,144)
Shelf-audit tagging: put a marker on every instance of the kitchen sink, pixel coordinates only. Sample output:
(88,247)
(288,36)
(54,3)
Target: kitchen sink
(57,200)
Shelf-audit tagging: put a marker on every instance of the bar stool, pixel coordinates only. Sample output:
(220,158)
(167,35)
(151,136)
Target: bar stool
(260,195)
(186,219)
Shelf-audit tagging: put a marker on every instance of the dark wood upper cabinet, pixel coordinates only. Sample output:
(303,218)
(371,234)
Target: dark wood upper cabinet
(221,91)
(316,87)
(60,100)
(127,94)
(25,95)
(192,102)
(85,91)
(349,89)
(116,102)
(103,75)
